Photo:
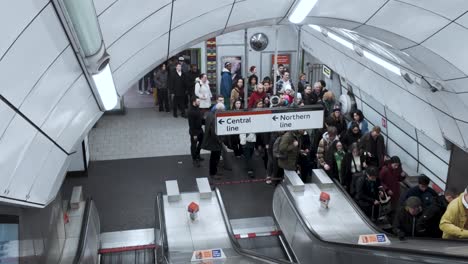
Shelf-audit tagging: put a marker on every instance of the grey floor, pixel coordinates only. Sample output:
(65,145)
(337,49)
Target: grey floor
(125,190)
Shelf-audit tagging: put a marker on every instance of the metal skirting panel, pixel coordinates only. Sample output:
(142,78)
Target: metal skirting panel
(253,225)
(144,256)
(128,238)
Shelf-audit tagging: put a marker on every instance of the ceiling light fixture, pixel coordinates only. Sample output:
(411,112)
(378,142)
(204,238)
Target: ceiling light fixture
(106,88)
(316,28)
(340,40)
(382,62)
(301,10)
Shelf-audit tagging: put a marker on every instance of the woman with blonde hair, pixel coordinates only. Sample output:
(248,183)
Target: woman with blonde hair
(328,102)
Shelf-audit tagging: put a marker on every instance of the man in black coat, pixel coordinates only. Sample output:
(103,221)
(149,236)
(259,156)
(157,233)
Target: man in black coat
(429,221)
(178,87)
(195,120)
(367,192)
(406,221)
(212,142)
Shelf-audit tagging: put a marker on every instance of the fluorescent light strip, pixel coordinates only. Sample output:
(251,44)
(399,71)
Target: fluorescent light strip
(340,40)
(382,63)
(315,27)
(301,11)
(106,88)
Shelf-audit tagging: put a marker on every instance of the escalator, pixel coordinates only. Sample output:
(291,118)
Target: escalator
(331,235)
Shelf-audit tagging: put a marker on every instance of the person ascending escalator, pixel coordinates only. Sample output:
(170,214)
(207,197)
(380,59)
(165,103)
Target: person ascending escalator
(367,192)
(406,222)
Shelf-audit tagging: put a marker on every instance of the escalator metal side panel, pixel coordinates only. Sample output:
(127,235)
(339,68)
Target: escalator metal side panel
(308,247)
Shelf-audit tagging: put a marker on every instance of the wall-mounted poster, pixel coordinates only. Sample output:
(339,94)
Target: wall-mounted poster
(284,59)
(236,69)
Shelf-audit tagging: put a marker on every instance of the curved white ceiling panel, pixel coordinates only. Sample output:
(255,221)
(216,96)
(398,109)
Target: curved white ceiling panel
(458,85)
(51,87)
(140,36)
(444,69)
(386,36)
(408,21)
(17,23)
(67,108)
(186,10)
(253,10)
(102,5)
(138,65)
(123,15)
(343,9)
(33,53)
(6,115)
(449,9)
(212,22)
(450,43)
(463,20)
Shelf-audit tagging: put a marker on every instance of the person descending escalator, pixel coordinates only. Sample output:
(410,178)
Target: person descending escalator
(367,192)
(212,142)
(454,222)
(372,145)
(195,120)
(406,220)
(431,216)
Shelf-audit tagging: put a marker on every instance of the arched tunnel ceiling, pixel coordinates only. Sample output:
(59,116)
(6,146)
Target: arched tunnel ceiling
(45,98)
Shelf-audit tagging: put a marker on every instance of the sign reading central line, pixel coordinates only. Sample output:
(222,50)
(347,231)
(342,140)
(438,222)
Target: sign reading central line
(275,119)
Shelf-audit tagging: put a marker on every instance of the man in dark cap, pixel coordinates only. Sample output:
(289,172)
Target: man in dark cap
(406,221)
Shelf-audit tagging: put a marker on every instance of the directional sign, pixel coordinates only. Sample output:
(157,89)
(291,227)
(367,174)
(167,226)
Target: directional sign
(273,119)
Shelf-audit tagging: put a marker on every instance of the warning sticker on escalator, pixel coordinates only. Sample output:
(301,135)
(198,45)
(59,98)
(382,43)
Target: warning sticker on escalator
(199,256)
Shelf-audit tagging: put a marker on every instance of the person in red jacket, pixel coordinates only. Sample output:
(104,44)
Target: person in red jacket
(390,177)
(256,96)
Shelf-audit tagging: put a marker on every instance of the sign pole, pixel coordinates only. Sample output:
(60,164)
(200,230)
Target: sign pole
(276,61)
(246,67)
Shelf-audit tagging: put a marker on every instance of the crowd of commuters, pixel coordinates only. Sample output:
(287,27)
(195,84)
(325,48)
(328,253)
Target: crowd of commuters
(345,148)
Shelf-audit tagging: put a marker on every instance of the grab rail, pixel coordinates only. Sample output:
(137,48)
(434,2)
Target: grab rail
(235,243)
(162,247)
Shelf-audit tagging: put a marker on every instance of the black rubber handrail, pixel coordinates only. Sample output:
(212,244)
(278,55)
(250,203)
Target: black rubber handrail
(162,245)
(313,235)
(83,232)
(235,243)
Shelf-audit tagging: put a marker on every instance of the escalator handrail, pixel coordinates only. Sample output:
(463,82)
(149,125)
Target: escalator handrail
(313,235)
(235,243)
(162,247)
(83,232)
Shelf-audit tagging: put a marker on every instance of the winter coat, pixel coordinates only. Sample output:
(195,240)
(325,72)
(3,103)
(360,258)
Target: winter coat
(427,197)
(161,79)
(236,93)
(347,164)
(191,81)
(280,85)
(366,143)
(325,150)
(301,86)
(211,141)
(363,125)
(367,191)
(339,123)
(406,224)
(453,222)
(390,179)
(349,137)
(195,120)
(254,98)
(226,83)
(292,152)
(309,99)
(203,92)
(430,218)
(178,84)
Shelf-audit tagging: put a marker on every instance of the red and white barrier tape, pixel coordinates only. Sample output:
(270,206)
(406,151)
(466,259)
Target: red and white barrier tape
(246,181)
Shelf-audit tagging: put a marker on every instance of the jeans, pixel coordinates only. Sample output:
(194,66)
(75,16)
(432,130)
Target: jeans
(195,146)
(214,160)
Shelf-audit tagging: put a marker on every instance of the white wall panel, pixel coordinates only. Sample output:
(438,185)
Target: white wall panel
(401,123)
(342,9)
(464,131)
(371,115)
(457,108)
(450,9)
(14,146)
(186,10)
(232,38)
(211,22)
(6,115)
(101,5)
(125,14)
(453,51)
(459,86)
(433,163)
(251,10)
(395,150)
(31,163)
(45,32)
(140,36)
(408,21)
(443,68)
(463,20)
(449,129)
(138,65)
(437,149)
(433,177)
(51,87)
(403,139)
(14,17)
(85,117)
(49,173)
(67,109)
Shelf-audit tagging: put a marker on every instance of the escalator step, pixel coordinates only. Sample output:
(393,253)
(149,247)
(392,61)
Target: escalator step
(144,256)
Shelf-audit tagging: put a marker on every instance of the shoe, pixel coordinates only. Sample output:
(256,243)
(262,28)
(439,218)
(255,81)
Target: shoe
(147,92)
(250,174)
(196,163)
(140,92)
(268,180)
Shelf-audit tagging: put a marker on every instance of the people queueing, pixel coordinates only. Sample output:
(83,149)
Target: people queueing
(390,176)
(237,92)
(178,88)
(326,149)
(195,120)
(406,222)
(301,85)
(352,135)
(226,83)
(247,142)
(337,120)
(372,145)
(353,166)
(289,146)
(454,222)
(337,171)
(422,191)
(284,83)
(161,83)
(203,92)
(358,118)
(212,142)
(256,96)
(367,192)
(252,84)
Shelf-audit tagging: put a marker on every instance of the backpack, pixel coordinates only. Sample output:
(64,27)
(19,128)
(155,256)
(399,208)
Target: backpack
(276,149)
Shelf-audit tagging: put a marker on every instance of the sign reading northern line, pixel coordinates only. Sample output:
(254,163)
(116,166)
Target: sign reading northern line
(273,119)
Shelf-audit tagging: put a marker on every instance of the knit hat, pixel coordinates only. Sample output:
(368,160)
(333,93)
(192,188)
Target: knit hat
(413,202)
(227,63)
(336,108)
(395,159)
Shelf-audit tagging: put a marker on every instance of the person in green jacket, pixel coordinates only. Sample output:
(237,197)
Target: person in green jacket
(338,157)
(290,145)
